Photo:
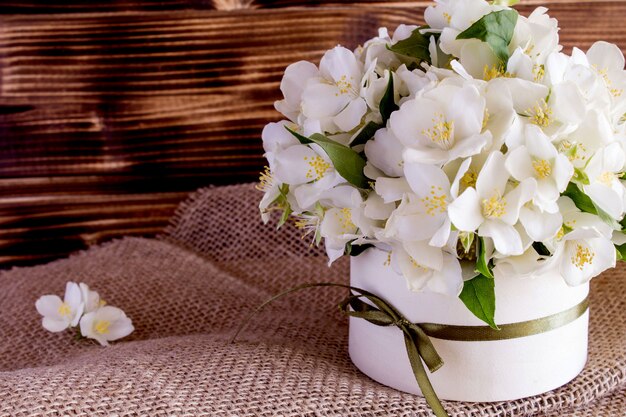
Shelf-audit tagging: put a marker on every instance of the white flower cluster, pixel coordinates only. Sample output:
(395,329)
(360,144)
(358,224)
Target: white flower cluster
(473,141)
(84,308)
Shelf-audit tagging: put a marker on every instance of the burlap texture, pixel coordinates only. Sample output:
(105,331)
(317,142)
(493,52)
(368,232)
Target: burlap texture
(188,290)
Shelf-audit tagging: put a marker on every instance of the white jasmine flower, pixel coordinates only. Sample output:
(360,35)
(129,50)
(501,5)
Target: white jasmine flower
(423,214)
(292,86)
(608,60)
(342,225)
(605,188)
(492,207)
(275,138)
(58,314)
(583,254)
(538,158)
(334,98)
(442,125)
(537,36)
(452,17)
(105,325)
(375,51)
(594,133)
(309,168)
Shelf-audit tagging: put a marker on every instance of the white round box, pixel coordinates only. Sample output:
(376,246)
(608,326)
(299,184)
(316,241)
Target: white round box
(472,371)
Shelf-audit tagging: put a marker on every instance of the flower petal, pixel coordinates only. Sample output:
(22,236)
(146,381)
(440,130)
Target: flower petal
(540,226)
(516,198)
(425,255)
(449,280)
(48,305)
(519,163)
(423,177)
(492,179)
(351,116)
(505,237)
(54,325)
(465,212)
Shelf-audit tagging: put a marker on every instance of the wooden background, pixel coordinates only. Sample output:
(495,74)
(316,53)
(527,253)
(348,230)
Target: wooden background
(111,112)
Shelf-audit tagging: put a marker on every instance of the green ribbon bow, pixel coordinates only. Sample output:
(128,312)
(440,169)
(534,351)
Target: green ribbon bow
(417,336)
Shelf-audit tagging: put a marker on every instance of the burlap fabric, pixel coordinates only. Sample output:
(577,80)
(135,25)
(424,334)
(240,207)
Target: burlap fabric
(188,290)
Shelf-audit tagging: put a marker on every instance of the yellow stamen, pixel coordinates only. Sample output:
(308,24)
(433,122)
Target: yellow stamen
(494,207)
(496,71)
(435,203)
(540,114)
(442,132)
(486,117)
(582,257)
(318,167)
(604,74)
(344,216)
(539,71)
(388,261)
(447,17)
(101,326)
(469,179)
(265,180)
(543,169)
(417,265)
(345,86)
(64,309)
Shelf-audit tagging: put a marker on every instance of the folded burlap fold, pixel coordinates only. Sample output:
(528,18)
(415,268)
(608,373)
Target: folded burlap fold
(186,293)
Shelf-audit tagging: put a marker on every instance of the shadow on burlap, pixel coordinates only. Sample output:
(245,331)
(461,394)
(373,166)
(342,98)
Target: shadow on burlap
(189,289)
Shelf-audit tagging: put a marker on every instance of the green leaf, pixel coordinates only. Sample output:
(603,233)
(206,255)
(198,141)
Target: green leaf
(479,296)
(346,161)
(482,265)
(496,29)
(620,252)
(284,217)
(415,46)
(303,139)
(541,249)
(356,250)
(387,103)
(580,199)
(366,133)
(283,203)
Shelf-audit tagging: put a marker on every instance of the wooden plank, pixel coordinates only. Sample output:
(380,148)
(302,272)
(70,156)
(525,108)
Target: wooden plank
(108,119)
(81,6)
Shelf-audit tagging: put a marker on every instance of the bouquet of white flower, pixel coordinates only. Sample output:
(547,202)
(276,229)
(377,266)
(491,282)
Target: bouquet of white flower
(467,148)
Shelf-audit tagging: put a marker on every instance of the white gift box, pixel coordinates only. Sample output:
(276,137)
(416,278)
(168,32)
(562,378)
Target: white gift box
(472,371)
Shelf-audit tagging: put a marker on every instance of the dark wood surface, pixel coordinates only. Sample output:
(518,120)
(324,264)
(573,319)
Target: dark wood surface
(110,113)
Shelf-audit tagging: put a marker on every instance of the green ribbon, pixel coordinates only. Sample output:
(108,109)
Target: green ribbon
(417,336)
